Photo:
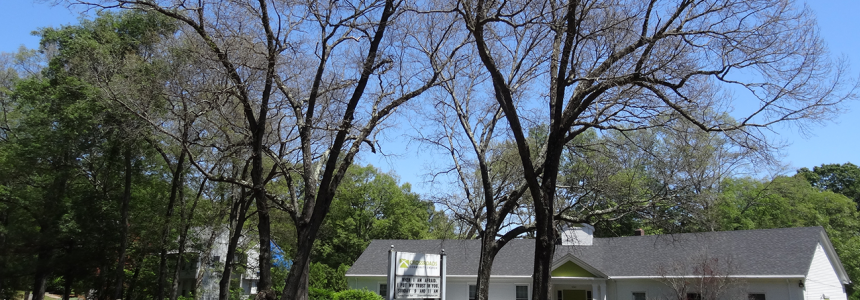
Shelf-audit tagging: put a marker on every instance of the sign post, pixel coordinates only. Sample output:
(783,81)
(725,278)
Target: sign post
(416,275)
(391,266)
(444,282)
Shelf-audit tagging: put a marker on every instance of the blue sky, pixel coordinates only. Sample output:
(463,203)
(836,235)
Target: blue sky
(835,141)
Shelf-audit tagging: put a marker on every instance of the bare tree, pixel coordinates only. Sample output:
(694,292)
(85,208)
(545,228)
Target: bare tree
(620,65)
(706,277)
(485,168)
(311,82)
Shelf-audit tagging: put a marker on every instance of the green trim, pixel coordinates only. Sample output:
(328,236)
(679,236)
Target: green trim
(570,269)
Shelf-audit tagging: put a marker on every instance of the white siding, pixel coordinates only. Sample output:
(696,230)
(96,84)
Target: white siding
(458,288)
(621,289)
(778,289)
(775,288)
(369,283)
(822,278)
(624,289)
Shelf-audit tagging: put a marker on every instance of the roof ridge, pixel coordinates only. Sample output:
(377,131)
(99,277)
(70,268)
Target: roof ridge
(716,232)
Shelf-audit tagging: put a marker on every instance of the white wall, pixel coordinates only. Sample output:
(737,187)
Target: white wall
(781,289)
(458,288)
(822,279)
(621,289)
(624,289)
(369,283)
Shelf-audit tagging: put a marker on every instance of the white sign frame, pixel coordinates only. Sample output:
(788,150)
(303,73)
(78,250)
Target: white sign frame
(416,275)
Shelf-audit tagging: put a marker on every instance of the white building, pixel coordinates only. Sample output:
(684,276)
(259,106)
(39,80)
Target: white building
(246,269)
(789,263)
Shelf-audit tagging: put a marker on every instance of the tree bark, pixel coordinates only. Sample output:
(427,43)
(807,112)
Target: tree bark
(183,234)
(67,285)
(264,263)
(47,233)
(180,259)
(175,185)
(543,255)
(126,199)
(485,265)
(42,273)
(296,287)
(237,216)
(129,293)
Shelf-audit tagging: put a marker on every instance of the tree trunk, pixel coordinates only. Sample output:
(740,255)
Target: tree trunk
(175,185)
(42,273)
(174,289)
(485,267)
(183,235)
(264,262)
(237,215)
(296,287)
(48,232)
(544,251)
(129,293)
(126,199)
(67,285)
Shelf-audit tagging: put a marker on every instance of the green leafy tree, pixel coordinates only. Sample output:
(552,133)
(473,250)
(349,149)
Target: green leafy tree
(327,278)
(84,185)
(793,202)
(843,179)
(372,205)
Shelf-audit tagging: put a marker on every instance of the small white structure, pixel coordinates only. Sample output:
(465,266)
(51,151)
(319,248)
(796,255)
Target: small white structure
(583,234)
(787,263)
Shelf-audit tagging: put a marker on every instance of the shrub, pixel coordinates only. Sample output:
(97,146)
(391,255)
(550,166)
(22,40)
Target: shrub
(362,294)
(320,294)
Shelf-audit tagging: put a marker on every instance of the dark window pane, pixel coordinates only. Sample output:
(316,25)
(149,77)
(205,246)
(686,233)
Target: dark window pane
(522,292)
(756,297)
(638,296)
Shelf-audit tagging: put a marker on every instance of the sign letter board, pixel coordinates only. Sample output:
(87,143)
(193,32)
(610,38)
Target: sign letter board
(417,275)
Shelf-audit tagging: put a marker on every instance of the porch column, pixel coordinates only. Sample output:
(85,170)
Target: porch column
(595,292)
(602,290)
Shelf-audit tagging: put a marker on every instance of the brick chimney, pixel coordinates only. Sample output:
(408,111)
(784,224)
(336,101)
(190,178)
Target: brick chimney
(639,232)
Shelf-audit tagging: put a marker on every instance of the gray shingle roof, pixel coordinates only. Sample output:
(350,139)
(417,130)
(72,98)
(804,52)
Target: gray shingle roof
(785,251)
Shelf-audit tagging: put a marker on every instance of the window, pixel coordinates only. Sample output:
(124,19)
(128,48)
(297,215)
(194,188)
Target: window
(559,296)
(588,295)
(639,296)
(472,292)
(694,296)
(756,297)
(522,292)
(383,290)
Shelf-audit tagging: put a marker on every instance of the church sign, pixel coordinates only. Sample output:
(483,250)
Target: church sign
(416,275)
